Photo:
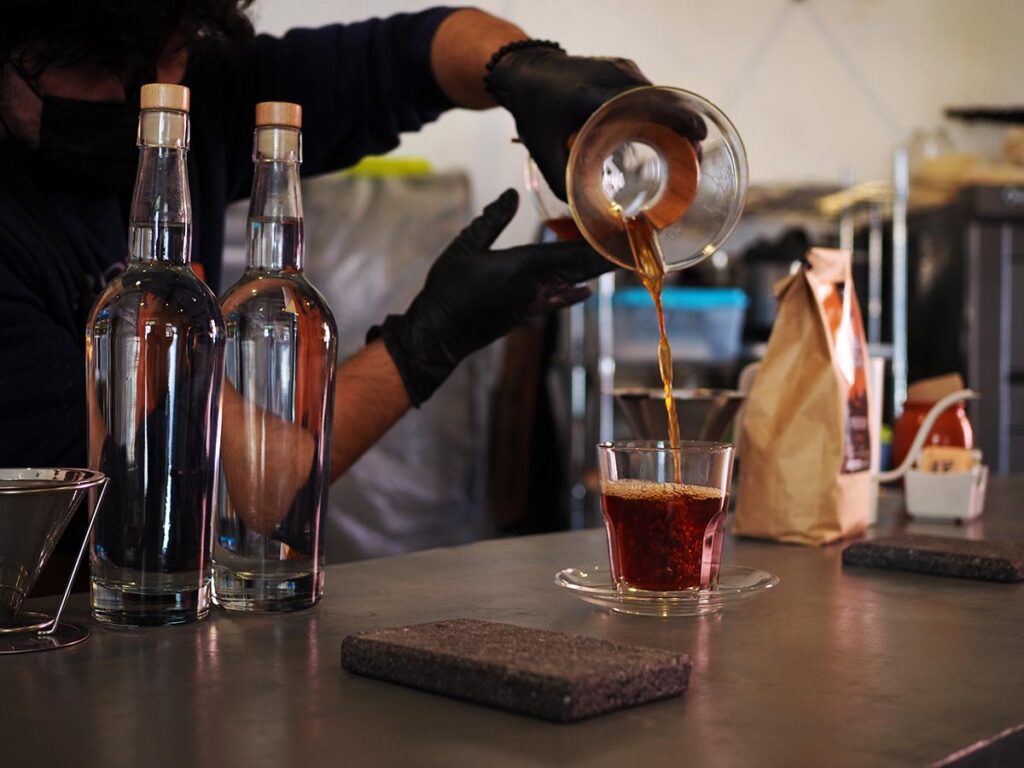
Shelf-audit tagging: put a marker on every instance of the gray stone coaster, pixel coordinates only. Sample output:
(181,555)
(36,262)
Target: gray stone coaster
(552,675)
(942,556)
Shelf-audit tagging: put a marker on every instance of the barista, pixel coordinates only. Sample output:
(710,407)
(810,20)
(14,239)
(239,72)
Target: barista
(71,70)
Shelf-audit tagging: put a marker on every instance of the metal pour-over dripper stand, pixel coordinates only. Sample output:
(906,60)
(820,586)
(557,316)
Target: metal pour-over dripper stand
(704,414)
(36,506)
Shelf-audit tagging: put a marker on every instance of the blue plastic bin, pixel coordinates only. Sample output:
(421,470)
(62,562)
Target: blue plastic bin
(703,324)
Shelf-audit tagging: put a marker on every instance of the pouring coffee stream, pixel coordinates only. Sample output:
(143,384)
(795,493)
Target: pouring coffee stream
(644,196)
(660,185)
(643,241)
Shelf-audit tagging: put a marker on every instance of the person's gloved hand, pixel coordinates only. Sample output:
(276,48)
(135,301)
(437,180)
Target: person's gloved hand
(551,94)
(474,295)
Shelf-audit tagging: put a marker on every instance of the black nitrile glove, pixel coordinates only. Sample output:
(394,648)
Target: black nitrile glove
(551,94)
(474,295)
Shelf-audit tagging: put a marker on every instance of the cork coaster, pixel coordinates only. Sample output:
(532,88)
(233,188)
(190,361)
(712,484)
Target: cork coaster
(942,556)
(551,675)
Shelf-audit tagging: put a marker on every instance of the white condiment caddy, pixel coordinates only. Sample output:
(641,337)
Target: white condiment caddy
(949,496)
(955,495)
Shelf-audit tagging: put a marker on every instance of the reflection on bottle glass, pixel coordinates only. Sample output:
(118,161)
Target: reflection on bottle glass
(278,401)
(154,361)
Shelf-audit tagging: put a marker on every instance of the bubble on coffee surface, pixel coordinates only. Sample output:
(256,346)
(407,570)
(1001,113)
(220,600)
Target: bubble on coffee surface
(651,490)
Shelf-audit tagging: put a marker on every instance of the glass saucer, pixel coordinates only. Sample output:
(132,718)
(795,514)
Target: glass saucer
(736,583)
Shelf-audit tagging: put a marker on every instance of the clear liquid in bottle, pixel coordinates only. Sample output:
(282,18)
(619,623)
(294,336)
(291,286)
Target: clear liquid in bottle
(154,363)
(278,403)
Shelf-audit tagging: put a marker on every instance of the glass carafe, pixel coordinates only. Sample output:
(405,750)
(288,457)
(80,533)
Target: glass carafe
(662,153)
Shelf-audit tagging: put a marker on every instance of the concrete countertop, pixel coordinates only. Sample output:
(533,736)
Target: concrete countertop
(832,667)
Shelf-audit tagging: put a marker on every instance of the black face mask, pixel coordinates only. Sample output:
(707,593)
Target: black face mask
(85,146)
(88,146)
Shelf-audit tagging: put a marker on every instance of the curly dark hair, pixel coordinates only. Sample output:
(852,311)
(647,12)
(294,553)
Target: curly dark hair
(122,36)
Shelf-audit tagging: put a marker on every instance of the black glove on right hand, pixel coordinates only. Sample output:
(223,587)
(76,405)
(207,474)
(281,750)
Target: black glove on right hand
(551,94)
(474,295)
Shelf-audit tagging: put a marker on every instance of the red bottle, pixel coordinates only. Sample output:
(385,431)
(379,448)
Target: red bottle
(951,428)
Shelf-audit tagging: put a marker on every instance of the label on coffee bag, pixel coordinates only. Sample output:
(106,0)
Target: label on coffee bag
(842,314)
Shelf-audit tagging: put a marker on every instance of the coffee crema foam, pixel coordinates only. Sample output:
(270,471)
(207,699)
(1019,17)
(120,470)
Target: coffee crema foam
(649,490)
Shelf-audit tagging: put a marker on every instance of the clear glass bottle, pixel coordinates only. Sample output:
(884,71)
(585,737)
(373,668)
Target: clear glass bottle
(278,395)
(154,367)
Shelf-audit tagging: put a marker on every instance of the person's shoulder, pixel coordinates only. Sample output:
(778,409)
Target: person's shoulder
(224,73)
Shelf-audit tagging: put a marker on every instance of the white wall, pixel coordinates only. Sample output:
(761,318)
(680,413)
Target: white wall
(814,87)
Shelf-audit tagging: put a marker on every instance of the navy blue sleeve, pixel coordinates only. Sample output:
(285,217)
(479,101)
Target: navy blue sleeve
(360,86)
(42,376)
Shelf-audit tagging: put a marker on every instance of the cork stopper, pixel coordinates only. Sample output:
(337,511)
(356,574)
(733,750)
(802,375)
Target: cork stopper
(164,96)
(281,113)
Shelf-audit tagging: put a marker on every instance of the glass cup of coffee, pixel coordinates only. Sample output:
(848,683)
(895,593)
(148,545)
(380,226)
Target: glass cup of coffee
(664,509)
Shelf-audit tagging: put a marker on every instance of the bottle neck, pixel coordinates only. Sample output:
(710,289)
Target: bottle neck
(161,214)
(275,207)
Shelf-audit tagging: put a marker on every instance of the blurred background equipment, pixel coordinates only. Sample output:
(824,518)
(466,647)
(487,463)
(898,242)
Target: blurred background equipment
(842,154)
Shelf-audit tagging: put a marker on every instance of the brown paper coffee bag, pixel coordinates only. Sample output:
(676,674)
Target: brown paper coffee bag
(805,441)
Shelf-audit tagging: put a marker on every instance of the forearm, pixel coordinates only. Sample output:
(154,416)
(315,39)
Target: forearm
(369,398)
(266,460)
(461,48)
